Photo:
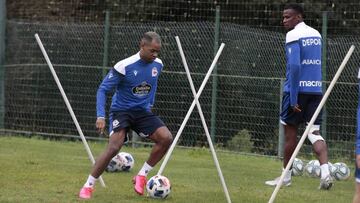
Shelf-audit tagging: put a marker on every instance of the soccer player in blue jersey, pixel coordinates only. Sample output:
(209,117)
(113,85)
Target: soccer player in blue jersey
(135,81)
(302,90)
(357,153)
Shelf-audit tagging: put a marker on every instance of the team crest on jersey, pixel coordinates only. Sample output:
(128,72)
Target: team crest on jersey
(154,72)
(142,90)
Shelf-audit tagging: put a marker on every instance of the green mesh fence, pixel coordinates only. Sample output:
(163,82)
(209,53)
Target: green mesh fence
(249,72)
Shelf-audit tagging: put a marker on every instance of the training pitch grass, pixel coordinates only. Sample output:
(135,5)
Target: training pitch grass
(35,170)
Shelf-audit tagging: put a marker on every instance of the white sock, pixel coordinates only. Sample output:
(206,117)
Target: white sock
(90,181)
(145,169)
(287,175)
(324,170)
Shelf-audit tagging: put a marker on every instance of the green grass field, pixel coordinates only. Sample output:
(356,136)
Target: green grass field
(35,170)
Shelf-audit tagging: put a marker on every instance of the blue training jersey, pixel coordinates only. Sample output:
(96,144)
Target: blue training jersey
(303,62)
(135,82)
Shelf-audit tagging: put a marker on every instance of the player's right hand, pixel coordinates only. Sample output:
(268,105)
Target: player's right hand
(100,125)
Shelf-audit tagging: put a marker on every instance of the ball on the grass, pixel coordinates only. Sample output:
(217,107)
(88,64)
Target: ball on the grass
(340,171)
(312,169)
(297,167)
(158,186)
(123,161)
(127,161)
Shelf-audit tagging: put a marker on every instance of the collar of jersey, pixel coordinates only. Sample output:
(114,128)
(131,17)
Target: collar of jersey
(302,24)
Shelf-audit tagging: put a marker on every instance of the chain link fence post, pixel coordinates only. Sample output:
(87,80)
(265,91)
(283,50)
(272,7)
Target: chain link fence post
(2,60)
(106,42)
(323,63)
(281,127)
(214,82)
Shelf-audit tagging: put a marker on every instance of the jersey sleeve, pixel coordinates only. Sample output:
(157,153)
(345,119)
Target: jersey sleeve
(357,147)
(112,79)
(293,62)
(152,99)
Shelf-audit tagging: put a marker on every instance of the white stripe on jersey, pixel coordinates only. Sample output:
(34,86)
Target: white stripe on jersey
(120,66)
(301,30)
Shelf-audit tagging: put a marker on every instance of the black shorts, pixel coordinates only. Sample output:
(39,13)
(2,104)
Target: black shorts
(144,123)
(308,104)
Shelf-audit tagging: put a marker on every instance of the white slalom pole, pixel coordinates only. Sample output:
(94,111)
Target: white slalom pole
(87,148)
(168,154)
(203,120)
(318,109)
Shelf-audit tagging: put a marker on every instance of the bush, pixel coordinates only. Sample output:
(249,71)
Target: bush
(241,141)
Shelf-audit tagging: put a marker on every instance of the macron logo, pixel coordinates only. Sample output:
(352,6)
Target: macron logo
(135,72)
(110,75)
(310,83)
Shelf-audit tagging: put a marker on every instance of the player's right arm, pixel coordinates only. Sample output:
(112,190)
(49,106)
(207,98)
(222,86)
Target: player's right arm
(294,67)
(112,79)
(294,64)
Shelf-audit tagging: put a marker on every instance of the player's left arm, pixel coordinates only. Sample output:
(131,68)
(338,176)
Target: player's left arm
(293,51)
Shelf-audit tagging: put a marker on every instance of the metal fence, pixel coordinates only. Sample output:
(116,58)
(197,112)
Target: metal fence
(248,79)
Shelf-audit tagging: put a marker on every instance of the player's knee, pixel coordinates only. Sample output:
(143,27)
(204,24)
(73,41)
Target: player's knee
(314,134)
(169,139)
(166,139)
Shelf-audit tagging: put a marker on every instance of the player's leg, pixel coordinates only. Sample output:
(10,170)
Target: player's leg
(118,130)
(152,127)
(357,152)
(290,131)
(115,142)
(317,141)
(162,138)
(356,198)
(290,145)
(290,121)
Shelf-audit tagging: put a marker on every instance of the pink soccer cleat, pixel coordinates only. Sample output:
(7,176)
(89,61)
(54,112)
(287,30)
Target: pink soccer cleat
(139,184)
(86,192)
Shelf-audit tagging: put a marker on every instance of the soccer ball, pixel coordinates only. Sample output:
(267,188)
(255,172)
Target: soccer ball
(127,161)
(312,169)
(123,161)
(297,167)
(340,171)
(158,186)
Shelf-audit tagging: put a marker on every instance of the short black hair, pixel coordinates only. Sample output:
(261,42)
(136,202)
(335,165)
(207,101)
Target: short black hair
(296,7)
(150,36)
